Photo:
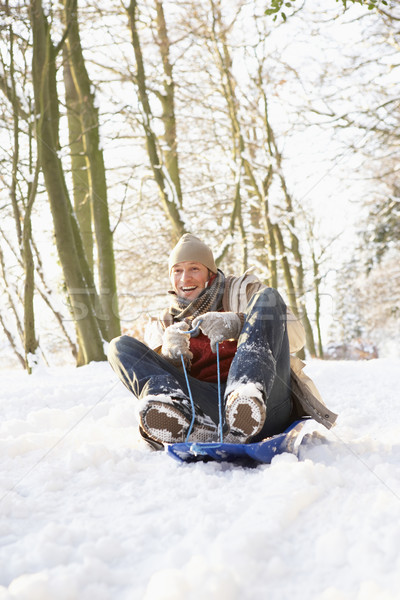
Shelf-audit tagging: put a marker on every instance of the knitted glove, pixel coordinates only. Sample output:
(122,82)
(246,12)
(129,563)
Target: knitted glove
(219,326)
(177,342)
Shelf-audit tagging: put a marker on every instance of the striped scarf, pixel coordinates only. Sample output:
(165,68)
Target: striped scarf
(209,299)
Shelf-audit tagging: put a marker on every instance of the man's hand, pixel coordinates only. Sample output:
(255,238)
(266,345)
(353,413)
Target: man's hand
(219,326)
(177,342)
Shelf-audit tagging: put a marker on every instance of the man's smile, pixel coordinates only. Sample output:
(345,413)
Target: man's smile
(189,278)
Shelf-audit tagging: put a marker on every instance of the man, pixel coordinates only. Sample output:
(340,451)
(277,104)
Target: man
(256,334)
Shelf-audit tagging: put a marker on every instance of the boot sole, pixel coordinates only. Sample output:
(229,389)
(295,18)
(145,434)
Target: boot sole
(166,425)
(245,416)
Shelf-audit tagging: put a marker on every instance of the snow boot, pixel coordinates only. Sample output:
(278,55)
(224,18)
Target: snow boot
(245,416)
(165,423)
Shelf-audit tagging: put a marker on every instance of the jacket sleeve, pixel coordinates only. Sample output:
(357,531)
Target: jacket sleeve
(296,332)
(297,366)
(153,335)
(307,401)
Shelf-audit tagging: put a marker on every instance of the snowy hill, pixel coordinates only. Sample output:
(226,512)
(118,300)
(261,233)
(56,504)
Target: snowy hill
(88,512)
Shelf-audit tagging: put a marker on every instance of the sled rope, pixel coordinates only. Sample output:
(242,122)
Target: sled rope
(188,385)
(190,391)
(191,400)
(221,436)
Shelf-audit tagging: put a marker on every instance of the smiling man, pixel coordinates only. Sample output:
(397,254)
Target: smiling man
(189,279)
(256,334)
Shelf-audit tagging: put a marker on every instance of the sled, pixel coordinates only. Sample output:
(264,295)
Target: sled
(259,452)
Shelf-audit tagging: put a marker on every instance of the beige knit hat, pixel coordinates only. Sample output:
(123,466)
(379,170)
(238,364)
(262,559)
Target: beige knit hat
(190,248)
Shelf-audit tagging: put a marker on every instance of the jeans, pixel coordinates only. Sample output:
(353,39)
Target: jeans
(262,358)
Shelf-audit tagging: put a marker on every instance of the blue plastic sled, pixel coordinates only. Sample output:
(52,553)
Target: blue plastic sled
(262,452)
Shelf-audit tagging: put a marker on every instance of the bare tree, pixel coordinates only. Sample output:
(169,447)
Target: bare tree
(166,177)
(89,121)
(76,270)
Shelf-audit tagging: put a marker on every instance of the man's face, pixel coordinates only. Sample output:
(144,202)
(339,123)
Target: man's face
(189,279)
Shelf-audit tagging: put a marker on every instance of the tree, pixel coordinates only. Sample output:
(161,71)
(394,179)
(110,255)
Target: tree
(201,142)
(22,198)
(247,174)
(89,121)
(23,221)
(70,250)
(166,176)
(278,6)
(80,180)
(95,315)
(361,113)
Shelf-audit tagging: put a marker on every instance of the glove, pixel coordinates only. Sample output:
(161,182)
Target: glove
(177,342)
(219,326)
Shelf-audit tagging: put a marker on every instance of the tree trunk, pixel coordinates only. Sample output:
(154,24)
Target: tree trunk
(24,229)
(80,181)
(241,166)
(298,259)
(171,206)
(317,281)
(295,246)
(30,340)
(46,99)
(168,106)
(269,228)
(288,277)
(291,292)
(96,175)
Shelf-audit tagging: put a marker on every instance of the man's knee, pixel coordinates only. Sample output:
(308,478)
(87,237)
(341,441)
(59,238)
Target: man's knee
(268,301)
(123,344)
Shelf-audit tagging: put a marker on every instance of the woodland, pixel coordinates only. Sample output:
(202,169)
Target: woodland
(270,129)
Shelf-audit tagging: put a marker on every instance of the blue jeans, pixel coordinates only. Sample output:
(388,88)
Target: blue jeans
(262,358)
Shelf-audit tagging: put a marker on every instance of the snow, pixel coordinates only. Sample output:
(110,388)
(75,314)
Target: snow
(245,388)
(87,511)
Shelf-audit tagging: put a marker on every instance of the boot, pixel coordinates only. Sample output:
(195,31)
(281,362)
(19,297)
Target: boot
(245,416)
(168,422)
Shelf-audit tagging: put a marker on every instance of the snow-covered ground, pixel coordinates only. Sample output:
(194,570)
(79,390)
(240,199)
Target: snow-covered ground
(88,512)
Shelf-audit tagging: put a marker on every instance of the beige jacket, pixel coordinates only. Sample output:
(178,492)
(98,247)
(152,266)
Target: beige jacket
(237,293)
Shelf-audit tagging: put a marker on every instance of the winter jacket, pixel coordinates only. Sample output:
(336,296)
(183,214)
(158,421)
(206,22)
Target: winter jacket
(238,291)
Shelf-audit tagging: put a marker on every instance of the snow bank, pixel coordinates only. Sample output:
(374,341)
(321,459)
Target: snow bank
(88,512)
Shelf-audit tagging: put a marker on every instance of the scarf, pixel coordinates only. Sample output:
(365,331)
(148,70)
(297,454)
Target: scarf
(210,299)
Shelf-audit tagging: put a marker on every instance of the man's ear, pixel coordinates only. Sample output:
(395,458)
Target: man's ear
(210,274)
